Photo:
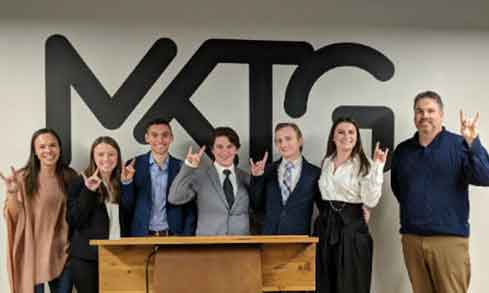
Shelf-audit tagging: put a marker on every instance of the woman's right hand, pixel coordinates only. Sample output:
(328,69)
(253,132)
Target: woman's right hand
(12,183)
(128,171)
(92,182)
(380,156)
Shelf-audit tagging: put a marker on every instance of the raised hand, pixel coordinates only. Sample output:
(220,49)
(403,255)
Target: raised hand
(12,183)
(379,155)
(92,182)
(258,168)
(128,171)
(468,127)
(194,159)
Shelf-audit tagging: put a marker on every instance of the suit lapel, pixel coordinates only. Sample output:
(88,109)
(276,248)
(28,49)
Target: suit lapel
(214,178)
(241,189)
(172,172)
(146,176)
(301,183)
(277,191)
(298,189)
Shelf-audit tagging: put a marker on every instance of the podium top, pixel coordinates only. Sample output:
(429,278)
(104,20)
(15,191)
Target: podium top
(207,240)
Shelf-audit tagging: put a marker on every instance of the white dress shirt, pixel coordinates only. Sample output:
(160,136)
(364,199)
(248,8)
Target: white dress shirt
(296,172)
(113,214)
(114,224)
(222,177)
(346,185)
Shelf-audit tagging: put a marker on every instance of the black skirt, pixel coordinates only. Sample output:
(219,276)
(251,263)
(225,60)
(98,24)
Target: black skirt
(344,251)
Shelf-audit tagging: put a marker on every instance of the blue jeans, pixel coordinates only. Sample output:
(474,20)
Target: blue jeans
(62,284)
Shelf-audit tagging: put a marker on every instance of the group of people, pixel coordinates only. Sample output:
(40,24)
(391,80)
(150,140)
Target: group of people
(52,212)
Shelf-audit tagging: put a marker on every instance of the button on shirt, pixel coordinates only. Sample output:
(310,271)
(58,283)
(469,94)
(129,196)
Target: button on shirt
(347,185)
(232,176)
(159,183)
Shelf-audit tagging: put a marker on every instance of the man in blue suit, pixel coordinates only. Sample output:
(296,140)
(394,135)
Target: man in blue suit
(286,189)
(146,182)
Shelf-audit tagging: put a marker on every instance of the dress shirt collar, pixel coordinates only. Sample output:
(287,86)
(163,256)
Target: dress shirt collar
(297,163)
(152,162)
(220,169)
(435,142)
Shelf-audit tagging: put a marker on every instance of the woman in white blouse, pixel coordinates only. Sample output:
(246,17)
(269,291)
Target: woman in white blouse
(94,211)
(349,180)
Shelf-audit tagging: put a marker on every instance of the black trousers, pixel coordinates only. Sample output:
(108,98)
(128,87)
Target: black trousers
(344,251)
(85,275)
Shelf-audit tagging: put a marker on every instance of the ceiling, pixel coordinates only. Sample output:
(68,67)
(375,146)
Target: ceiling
(284,13)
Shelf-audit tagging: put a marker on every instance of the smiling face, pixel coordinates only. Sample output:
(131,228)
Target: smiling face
(288,143)
(428,116)
(345,137)
(159,137)
(224,151)
(106,158)
(47,149)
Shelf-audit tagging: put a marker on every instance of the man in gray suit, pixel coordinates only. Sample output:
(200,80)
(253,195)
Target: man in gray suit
(221,189)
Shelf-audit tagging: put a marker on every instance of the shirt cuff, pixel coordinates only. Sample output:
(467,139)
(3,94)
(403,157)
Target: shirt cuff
(476,146)
(187,163)
(126,182)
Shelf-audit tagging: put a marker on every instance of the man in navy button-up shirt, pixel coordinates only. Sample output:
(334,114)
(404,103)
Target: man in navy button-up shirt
(430,178)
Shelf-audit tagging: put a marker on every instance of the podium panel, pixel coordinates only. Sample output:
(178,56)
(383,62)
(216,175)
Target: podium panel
(220,269)
(208,264)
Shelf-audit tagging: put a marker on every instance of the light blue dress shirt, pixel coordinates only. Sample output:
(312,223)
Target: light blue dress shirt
(159,183)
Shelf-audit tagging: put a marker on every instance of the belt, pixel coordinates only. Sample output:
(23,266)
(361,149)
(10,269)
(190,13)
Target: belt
(159,233)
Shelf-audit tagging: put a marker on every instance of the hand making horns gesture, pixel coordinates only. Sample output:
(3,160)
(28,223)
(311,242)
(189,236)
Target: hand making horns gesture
(194,159)
(92,182)
(258,168)
(468,127)
(128,171)
(379,155)
(12,183)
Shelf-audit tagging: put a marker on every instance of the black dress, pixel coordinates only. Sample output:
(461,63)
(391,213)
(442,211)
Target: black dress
(344,251)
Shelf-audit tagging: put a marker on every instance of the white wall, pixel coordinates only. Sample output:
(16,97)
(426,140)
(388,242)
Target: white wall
(452,62)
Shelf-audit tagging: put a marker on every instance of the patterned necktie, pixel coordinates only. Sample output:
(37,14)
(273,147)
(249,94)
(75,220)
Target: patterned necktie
(287,181)
(228,188)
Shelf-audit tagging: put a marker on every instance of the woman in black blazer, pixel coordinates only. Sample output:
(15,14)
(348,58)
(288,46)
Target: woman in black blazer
(94,211)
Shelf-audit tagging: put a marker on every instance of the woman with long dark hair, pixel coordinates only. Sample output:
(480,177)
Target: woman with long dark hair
(349,180)
(94,211)
(35,213)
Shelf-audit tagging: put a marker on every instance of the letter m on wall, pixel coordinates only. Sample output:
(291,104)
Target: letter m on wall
(65,70)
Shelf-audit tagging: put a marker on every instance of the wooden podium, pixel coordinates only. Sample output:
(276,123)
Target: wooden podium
(217,264)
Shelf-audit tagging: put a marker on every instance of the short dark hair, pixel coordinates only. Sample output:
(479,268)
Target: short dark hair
(227,132)
(157,121)
(231,135)
(291,125)
(428,95)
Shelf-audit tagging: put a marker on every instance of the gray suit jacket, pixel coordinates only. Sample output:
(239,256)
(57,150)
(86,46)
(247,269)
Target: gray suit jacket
(214,216)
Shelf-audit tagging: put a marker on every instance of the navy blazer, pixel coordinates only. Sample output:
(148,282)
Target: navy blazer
(136,198)
(88,219)
(293,218)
